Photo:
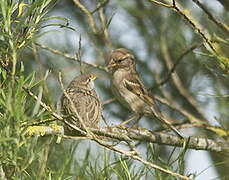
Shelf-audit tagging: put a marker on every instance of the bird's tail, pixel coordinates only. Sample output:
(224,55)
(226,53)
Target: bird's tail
(160,116)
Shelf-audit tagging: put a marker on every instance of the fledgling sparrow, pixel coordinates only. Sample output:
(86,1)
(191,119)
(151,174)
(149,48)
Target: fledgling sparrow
(128,88)
(81,97)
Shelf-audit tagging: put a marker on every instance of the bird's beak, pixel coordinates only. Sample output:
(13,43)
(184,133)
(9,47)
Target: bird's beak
(111,65)
(93,77)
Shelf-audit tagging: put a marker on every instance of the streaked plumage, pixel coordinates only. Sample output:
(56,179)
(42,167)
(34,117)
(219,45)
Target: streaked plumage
(86,102)
(128,88)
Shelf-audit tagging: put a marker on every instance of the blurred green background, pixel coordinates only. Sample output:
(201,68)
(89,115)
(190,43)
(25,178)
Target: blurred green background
(38,37)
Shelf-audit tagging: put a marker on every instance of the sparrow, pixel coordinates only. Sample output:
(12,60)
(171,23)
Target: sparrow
(129,89)
(81,98)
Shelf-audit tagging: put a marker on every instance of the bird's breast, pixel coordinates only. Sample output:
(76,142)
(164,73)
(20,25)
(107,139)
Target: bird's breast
(126,97)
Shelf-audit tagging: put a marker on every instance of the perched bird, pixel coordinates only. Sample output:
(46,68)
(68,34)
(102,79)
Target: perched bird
(128,88)
(80,103)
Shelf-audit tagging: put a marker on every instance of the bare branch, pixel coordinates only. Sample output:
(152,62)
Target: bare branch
(161,3)
(133,155)
(103,21)
(144,135)
(46,107)
(223,26)
(175,106)
(188,50)
(191,20)
(89,15)
(54,51)
(108,101)
(176,79)
(100,5)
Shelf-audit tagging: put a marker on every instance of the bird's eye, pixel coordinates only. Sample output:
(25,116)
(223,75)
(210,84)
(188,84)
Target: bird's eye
(91,78)
(88,80)
(120,60)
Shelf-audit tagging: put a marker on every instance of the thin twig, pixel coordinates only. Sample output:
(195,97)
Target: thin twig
(176,79)
(103,21)
(89,15)
(188,50)
(54,51)
(100,5)
(161,4)
(46,107)
(197,27)
(223,26)
(78,55)
(175,106)
(38,123)
(108,101)
(221,132)
(133,155)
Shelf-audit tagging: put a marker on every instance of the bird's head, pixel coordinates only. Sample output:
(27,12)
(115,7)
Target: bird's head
(84,80)
(120,59)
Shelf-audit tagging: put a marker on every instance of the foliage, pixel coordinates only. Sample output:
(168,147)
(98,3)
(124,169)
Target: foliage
(180,46)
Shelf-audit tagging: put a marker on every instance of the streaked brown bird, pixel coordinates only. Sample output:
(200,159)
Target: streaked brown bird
(81,102)
(129,89)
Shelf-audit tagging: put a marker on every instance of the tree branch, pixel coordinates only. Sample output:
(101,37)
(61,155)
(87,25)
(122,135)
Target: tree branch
(191,20)
(88,13)
(54,51)
(176,79)
(188,50)
(223,26)
(140,134)
(129,135)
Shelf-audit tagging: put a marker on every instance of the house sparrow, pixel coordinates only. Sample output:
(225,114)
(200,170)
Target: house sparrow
(128,88)
(81,97)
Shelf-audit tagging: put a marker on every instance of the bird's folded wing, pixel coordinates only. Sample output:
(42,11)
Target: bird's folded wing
(134,84)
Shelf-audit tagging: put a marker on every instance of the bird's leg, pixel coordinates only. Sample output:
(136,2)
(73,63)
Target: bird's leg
(134,118)
(68,116)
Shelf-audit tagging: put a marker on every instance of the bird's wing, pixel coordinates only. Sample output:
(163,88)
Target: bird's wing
(134,84)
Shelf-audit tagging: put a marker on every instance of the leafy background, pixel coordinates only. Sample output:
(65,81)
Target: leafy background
(156,35)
